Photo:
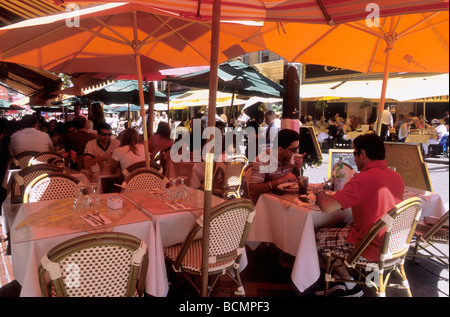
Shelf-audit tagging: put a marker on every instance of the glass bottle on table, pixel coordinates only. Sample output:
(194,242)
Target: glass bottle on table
(339,176)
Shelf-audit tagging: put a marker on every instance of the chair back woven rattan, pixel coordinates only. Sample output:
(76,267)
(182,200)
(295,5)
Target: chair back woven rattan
(50,186)
(21,160)
(142,165)
(426,236)
(44,158)
(399,225)
(230,225)
(231,177)
(144,179)
(24,177)
(95,265)
(244,188)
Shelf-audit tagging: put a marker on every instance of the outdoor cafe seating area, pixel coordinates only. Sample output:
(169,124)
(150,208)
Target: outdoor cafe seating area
(37,221)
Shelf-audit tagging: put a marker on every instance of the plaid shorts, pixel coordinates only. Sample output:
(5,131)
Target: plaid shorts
(335,239)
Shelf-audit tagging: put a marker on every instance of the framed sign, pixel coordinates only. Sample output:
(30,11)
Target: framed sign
(347,157)
(310,146)
(408,162)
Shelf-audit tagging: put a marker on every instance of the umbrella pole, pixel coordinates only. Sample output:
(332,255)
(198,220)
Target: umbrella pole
(151,107)
(389,48)
(210,156)
(142,103)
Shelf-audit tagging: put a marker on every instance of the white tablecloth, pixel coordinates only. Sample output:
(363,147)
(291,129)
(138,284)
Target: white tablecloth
(27,253)
(290,225)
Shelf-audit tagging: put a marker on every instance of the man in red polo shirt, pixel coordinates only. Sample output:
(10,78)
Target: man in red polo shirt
(370,194)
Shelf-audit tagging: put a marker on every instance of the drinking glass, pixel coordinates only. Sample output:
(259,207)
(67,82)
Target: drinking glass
(94,198)
(172,192)
(303,185)
(182,189)
(78,200)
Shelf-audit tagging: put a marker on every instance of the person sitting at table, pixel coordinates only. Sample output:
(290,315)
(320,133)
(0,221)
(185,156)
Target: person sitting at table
(273,167)
(130,151)
(371,194)
(405,129)
(77,140)
(347,128)
(160,140)
(100,150)
(29,138)
(440,129)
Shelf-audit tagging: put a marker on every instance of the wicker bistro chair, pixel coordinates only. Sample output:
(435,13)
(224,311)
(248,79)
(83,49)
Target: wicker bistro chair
(44,158)
(50,186)
(21,160)
(229,176)
(244,188)
(95,265)
(24,177)
(144,179)
(230,225)
(399,224)
(142,165)
(427,235)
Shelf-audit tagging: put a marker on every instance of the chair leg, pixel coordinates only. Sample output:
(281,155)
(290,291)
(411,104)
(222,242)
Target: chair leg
(327,275)
(240,287)
(382,286)
(405,284)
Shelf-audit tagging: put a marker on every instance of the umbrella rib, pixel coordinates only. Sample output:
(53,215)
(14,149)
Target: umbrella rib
(84,46)
(362,28)
(175,32)
(158,28)
(334,27)
(12,49)
(106,37)
(113,30)
(425,19)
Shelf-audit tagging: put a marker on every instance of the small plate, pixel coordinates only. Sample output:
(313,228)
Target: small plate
(291,187)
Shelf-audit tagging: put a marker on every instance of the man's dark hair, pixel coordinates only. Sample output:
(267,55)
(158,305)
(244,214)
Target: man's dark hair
(104,126)
(79,122)
(286,137)
(372,144)
(29,121)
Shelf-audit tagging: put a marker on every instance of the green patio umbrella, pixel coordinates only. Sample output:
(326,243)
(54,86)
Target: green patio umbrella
(4,104)
(123,92)
(233,77)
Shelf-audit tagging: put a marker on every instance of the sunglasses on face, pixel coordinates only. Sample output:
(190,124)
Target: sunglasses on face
(105,134)
(293,150)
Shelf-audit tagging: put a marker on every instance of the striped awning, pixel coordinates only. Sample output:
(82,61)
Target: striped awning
(306,11)
(12,11)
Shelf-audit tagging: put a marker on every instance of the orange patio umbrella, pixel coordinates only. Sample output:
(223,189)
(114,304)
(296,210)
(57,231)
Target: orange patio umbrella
(121,38)
(402,43)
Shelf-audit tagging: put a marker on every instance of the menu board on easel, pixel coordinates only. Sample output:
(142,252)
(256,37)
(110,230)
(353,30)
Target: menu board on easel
(347,157)
(309,144)
(408,161)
